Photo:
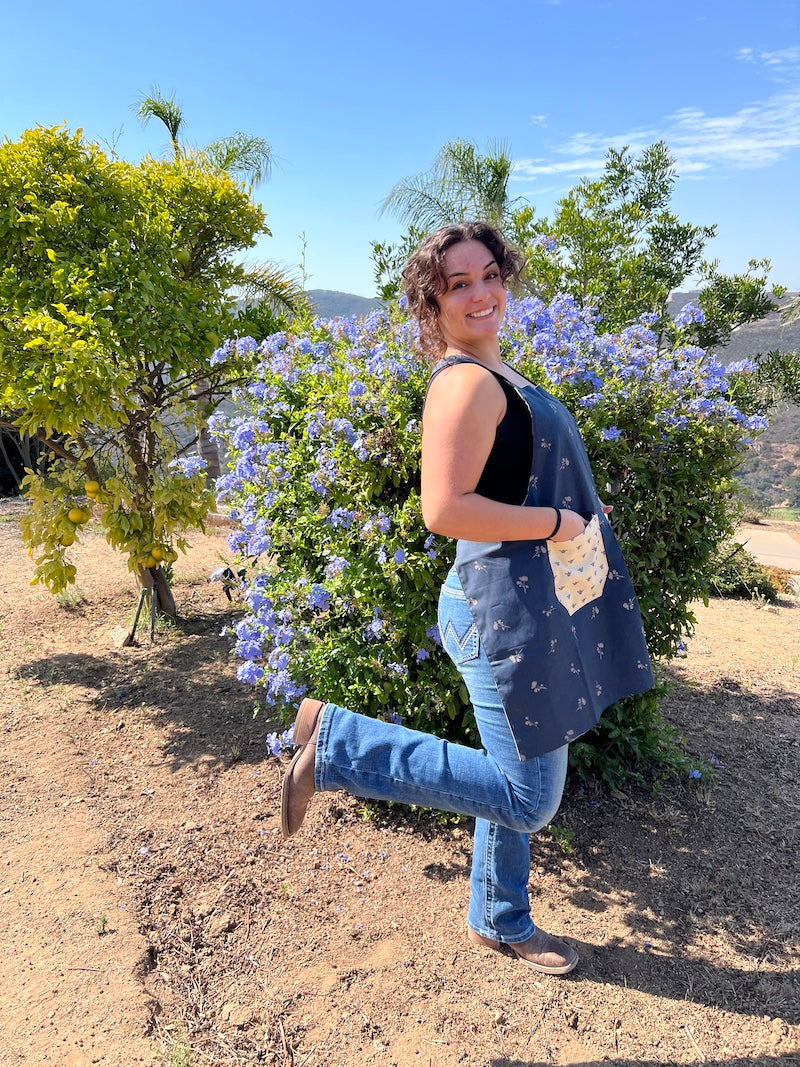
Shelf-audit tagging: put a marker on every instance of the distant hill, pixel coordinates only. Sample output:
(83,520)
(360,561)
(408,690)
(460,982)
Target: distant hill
(771,471)
(756,337)
(328,303)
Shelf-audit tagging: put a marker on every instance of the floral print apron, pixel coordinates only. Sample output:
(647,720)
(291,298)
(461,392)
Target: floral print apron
(559,621)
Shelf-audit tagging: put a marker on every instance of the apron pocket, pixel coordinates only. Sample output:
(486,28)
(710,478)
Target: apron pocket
(579,567)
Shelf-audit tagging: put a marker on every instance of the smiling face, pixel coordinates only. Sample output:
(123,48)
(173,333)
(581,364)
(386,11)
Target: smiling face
(472,307)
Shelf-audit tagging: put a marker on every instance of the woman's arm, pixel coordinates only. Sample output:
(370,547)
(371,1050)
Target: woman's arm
(464,406)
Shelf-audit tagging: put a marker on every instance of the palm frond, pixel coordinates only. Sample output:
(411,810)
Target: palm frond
(167,110)
(419,201)
(242,155)
(269,284)
(461,184)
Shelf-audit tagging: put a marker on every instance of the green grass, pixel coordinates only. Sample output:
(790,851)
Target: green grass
(70,598)
(563,837)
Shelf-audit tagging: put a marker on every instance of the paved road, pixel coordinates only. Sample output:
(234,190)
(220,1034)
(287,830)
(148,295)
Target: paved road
(773,548)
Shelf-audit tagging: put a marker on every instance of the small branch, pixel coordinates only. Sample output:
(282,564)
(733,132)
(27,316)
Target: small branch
(56,448)
(700,1052)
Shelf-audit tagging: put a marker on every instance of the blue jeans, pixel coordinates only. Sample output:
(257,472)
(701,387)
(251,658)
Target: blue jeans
(509,798)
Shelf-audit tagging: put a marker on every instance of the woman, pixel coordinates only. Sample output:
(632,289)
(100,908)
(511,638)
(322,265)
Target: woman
(538,612)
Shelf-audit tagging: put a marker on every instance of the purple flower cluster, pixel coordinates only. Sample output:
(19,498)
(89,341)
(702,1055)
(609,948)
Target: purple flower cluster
(278,743)
(189,465)
(679,385)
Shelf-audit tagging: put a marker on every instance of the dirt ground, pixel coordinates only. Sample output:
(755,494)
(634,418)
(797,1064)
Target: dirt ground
(150,912)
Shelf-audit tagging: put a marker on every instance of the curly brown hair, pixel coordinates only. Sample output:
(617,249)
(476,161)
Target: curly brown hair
(424,281)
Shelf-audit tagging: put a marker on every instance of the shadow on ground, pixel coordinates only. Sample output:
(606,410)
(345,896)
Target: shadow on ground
(185,682)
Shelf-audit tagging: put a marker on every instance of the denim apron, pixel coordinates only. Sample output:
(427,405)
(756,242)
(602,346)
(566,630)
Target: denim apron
(559,621)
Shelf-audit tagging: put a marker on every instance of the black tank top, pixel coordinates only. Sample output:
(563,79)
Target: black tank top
(505,475)
(507,469)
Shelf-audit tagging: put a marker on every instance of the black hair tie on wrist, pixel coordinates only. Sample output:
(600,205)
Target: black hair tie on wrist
(557,526)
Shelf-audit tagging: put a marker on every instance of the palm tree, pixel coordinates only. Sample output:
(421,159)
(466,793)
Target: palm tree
(168,111)
(248,159)
(461,184)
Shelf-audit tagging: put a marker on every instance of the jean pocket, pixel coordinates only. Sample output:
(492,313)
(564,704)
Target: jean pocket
(460,644)
(579,567)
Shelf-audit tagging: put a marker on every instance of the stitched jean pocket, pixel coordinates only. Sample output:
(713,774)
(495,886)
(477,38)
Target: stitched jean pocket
(579,567)
(461,645)
(457,627)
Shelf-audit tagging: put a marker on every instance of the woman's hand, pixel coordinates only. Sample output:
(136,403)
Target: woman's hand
(572,524)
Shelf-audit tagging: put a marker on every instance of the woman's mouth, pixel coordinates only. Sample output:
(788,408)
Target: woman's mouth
(480,314)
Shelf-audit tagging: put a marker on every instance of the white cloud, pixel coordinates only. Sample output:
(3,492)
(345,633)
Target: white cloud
(537,120)
(758,135)
(531,168)
(784,62)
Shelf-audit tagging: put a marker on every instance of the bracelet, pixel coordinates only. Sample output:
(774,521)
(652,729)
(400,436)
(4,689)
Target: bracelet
(557,526)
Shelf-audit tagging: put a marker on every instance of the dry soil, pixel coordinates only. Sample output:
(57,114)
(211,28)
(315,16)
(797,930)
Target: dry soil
(150,912)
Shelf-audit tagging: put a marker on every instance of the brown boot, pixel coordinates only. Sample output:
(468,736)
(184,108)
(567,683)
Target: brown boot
(297,788)
(542,952)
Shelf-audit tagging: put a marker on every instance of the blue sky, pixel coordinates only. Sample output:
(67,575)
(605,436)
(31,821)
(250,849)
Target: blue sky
(354,96)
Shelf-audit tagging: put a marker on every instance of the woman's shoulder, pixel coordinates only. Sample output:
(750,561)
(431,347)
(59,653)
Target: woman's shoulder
(460,383)
(462,372)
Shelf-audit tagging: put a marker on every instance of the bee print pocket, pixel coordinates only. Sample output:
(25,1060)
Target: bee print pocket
(579,567)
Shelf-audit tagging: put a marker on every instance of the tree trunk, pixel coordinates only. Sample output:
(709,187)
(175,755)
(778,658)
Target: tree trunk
(206,446)
(207,450)
(166,601)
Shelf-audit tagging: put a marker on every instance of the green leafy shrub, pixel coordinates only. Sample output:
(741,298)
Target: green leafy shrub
(115,288)
(736,574)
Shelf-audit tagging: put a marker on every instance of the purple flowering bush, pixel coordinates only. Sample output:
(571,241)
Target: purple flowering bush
(665,432)
(324,482)
(325,485)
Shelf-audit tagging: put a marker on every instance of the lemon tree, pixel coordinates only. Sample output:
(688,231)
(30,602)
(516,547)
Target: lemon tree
(115,287)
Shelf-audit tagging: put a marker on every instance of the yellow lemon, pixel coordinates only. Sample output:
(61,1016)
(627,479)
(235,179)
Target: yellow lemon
(92,488)
(77,515)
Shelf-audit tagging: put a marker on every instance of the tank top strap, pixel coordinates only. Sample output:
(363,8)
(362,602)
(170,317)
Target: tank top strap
(450,361)
(513,395)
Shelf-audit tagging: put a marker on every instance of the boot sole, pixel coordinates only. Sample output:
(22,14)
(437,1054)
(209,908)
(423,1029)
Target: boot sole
(540,968)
